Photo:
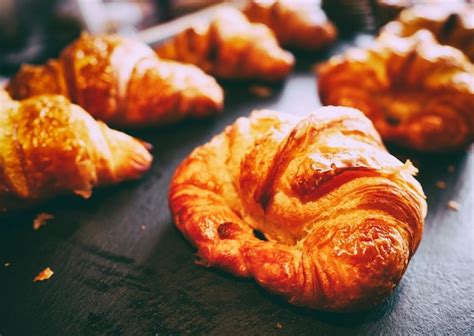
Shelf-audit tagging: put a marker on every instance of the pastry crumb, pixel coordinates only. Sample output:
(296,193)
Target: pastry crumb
(143,227)
(279,325)
(451,168)
(7,264)
(260,91)
(441,184)
(44,275)
(41,220)
(454,205)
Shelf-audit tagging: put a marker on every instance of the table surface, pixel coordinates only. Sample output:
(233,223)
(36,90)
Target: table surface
(122,268)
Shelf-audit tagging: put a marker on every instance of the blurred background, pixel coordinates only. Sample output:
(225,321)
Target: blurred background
(32,31)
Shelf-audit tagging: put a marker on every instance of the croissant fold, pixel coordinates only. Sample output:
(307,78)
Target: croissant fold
(340,216)
(418,93)
(230,47)
(296,24)
(49,147)
(122,82)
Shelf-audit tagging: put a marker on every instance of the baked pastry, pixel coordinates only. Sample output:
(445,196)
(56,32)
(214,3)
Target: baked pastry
(340,216)
(418,93)
(122,82)
(230,47)
(452,23)
(300,25)
(50,147)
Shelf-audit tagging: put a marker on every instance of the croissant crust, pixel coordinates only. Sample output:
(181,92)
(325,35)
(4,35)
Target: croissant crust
(230,47)
(49,147)
(299,25)
(341,217)
(418,93)
(122,82)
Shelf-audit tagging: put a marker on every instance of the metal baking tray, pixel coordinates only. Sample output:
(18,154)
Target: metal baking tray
(122,268)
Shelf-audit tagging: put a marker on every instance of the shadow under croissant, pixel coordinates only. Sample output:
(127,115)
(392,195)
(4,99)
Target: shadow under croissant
(225,289)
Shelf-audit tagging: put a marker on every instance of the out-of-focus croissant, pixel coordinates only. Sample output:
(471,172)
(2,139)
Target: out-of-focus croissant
(451,23)
(231,47)
(122,82)
(49,147)
(418,93)
(296,24)
(341,217)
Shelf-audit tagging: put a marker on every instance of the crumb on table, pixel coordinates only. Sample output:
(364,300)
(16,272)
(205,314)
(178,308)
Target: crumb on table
(451,168)
(260,91)
(44,275)
(441,184)
(454,205)
(41,220)
(7,264)
(279,325)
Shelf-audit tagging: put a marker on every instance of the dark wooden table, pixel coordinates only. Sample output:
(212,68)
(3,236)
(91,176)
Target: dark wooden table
(121,267)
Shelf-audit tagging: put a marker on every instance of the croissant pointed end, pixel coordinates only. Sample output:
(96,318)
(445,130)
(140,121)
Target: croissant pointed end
(208,99)
(135,160)
(131,157)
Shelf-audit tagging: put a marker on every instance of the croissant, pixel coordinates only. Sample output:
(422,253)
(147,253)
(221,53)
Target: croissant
(300,25)
(418,93)
(50,147)
(230,47)
(452,24)
(122,82)
(340,216)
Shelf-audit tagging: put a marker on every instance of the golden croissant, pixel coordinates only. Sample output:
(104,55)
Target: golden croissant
(50,147)
(452,24)
(340,216)
(122,82)
(231,47)
(418,93)
(301,25)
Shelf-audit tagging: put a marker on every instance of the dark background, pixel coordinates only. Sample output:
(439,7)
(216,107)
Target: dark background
(122,268)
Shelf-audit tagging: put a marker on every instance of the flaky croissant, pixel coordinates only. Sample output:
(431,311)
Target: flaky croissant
(418,93)
(341,217)
(49,147)
(122,82)
(452,24)
(296,24)
(230,47)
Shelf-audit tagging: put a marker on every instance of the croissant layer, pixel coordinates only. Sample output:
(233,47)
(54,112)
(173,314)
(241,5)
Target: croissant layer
(340,216)
(122,82)
(49,147)
(230,47)
(418,93)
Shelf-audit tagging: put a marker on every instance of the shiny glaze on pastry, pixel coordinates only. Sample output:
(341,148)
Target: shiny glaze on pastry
(452,23)
(340,216)
(231,47)
(50,147)
(296,24)
(122,82)
(418,93)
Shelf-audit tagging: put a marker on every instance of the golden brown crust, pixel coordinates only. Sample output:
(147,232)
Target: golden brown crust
(230,47)
(301,25)
(451,23)
(341,216)
(122,82)
(418,93)
(49,146)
